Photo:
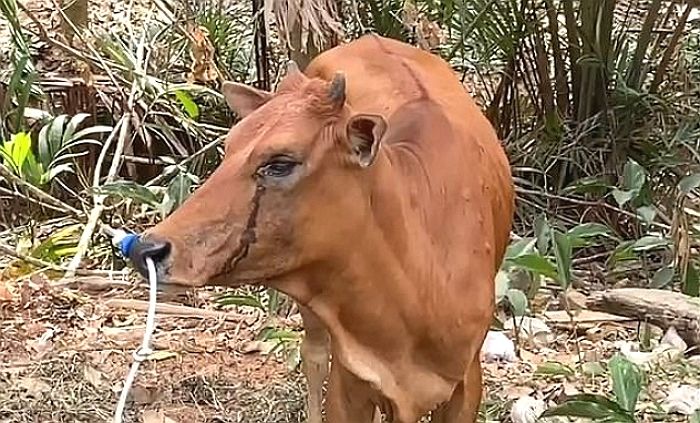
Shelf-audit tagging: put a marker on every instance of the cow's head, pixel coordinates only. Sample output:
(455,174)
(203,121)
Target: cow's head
(291,190)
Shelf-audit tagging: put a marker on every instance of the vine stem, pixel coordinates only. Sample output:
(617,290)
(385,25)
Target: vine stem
(122,127)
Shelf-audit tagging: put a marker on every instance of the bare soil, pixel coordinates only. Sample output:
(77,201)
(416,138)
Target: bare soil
(64,356)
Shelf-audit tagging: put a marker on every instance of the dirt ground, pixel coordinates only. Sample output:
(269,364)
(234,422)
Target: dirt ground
(64,353)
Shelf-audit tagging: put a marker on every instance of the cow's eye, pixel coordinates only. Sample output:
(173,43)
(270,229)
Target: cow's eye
(278,167)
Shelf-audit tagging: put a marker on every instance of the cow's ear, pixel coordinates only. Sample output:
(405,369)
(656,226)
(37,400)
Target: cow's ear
(364,133)
(243,99)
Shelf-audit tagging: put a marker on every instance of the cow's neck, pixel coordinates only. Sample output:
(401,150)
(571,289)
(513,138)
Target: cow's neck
(369,300)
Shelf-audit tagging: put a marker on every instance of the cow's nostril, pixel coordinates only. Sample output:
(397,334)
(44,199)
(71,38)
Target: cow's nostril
(154,248)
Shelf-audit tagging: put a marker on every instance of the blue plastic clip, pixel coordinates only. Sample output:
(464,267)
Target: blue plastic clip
(127,244)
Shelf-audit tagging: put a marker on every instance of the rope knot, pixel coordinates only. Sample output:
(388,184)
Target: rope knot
(140,355)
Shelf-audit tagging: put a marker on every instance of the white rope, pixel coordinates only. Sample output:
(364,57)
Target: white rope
(144,351)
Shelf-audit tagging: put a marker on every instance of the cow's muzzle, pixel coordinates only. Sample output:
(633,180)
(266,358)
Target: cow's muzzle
(156,249)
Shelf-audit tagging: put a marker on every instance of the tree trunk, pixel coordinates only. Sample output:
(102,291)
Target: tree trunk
(659,307)
(302,56)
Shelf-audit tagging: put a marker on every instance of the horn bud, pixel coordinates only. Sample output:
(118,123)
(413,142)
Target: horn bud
(337,90)
(292,67)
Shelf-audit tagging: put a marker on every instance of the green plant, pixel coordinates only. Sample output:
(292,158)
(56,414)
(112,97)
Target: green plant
(21,87)
(627,385)
(164,199)
(287,342)
(60,139)
(231,34)
(268,301)
(17,155)
(60,244)
(548,254)
(56,146)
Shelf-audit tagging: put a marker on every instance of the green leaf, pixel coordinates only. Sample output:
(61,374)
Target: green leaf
(189,105)
(240,300)
(43,146)
(590,184)
(89,131)
(55,136)
(59,244)
(57,170)
(691,285)
(554,368)
(502,284)
(542,232)
(582,235)
(33,171)
(279,335)
(649,242)
(588,230)
(633,176)
(178,191)
(518,301)
(626,381)
(663,277)
(64,154)
(562,252)
(520,247)
(537,264)
(623,197)
(689,183)
(595,407)
(129,190)
(622,252)
(73,124)
(274,301)
(647,213)
(20,148)
(6,157)
(592,368)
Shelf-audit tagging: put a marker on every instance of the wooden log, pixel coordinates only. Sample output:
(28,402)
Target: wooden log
(659,307)
(173,310)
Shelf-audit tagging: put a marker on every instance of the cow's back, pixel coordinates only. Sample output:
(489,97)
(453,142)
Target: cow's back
(383,73)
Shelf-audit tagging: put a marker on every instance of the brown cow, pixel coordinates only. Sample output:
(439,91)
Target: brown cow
(382,205)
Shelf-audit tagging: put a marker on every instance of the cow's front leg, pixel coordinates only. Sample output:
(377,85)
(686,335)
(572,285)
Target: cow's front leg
(463,407)
(315,352)
(349,399)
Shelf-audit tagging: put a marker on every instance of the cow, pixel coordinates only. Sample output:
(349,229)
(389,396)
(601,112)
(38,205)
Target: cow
(372,190)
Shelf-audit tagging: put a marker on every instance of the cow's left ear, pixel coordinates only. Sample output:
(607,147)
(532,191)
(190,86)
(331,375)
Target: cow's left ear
(243,99)
(364,133)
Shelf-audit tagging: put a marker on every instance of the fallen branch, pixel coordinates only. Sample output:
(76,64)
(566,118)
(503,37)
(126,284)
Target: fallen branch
(17,194)
(659,307)
(5,249)
(95,283)
(173,310)
(121,127)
